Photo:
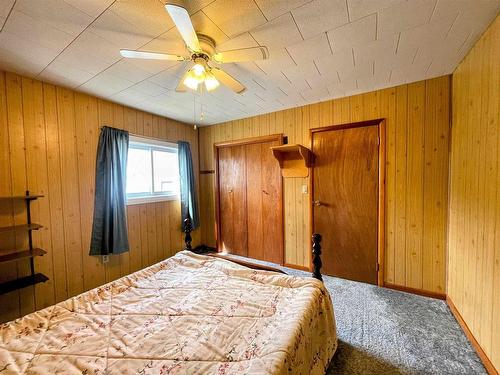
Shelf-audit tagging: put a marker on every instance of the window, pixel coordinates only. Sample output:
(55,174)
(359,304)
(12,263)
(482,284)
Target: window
(152,171)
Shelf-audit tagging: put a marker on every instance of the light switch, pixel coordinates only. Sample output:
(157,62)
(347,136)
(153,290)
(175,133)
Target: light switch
(304,189)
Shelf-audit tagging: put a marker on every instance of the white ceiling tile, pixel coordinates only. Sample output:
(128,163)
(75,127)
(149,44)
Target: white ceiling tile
(168,42)
(105,84)
(310,49)
(329,64)
(116,30)
(91,7)
(353,34)
(361,8)
(89,53)
(153,66)
(403,16)
(446,8)
(56,14)
(126,70)
(234,20)
(244,40)
(319,16)
(276,8)
(149,16)
(68,75)
(5,7)
(22,56)
(279,32)
(150,88)
(203,25)
(169,78)
(37,32)
(278,59)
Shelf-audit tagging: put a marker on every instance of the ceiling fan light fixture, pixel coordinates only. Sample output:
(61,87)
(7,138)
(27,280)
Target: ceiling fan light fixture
(191,81)
(211,82)
(198,70)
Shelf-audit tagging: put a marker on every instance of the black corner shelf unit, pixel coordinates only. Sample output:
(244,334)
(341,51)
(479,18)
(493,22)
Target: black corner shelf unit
(30,253)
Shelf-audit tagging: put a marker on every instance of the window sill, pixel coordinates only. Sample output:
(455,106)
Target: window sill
(144,200)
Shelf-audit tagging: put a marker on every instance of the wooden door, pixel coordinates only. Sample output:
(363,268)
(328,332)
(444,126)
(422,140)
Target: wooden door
(345,200)
(264,203)
(232,200)
(250,199)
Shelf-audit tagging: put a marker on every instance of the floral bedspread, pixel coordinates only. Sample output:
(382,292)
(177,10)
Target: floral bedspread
(189,314)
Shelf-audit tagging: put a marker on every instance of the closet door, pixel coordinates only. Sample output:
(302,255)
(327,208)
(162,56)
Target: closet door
(264,203)
(232,200)
(250,199)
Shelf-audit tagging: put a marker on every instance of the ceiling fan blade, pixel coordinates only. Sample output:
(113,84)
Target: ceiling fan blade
(228,80)
(150,55)
(243,54)
(182,21)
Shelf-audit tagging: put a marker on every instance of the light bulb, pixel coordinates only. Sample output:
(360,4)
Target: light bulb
(211,82)
(198,70)
(191,82)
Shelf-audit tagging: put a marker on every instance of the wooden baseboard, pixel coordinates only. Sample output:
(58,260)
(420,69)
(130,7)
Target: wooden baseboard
(488,365)
(420,292)
(297,267)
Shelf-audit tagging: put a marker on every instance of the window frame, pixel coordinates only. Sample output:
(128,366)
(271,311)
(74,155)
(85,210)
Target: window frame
(151,144)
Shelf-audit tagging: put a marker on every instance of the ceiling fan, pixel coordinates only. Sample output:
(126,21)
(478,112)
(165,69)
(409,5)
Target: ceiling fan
(202,51)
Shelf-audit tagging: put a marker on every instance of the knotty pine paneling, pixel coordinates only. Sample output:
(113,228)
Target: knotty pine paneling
(474,215)
(48,143)
(418,123)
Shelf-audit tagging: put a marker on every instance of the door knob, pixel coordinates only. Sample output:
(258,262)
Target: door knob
(230,190)
(317,203)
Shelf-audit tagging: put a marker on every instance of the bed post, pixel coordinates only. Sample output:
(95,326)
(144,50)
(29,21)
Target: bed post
(316,239)
(188,227)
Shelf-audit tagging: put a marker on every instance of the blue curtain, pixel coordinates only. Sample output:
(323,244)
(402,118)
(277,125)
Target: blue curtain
(109,230)
(189,201)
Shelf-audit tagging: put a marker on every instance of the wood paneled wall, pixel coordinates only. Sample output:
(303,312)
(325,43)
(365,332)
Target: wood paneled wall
(48,143)
(474,221)
(417,118)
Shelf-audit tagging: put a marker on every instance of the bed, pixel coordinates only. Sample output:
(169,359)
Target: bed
(189,314)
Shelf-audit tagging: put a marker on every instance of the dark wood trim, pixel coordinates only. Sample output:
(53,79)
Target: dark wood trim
(245,141)
(297,267)
(420,292)
(381,187)
(210,171)
(488,365)
(381,204)
(360,124)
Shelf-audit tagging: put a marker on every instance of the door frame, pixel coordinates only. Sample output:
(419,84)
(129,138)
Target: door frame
(280,138)
(380,123)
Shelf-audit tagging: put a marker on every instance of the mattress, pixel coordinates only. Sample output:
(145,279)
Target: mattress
(189,314)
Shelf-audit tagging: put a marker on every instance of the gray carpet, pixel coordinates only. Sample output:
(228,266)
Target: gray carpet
(383,331)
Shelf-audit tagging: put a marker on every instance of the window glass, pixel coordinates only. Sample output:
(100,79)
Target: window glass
(166,171)
(152,171)
(138,171)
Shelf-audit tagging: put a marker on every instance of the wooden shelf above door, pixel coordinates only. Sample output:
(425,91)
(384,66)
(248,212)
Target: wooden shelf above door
(295,160)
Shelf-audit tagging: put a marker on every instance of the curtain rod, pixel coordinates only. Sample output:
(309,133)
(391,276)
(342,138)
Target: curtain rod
(142,136)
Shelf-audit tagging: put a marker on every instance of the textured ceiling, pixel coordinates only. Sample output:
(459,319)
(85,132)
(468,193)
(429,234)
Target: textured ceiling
(319,49)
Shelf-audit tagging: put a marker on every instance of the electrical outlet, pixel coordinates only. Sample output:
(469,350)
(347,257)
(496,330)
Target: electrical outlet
(105,258)
(304,189)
